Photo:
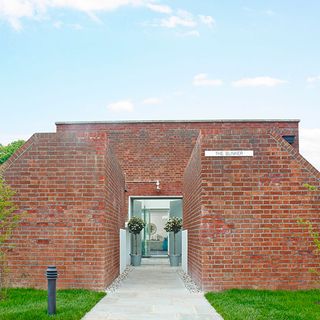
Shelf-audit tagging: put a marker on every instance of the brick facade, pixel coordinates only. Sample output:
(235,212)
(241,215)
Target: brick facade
(61,181)
(192,200)
(114,215)
(244,223)
(241,213)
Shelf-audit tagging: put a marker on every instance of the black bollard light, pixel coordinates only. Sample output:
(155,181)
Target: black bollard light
(52,275)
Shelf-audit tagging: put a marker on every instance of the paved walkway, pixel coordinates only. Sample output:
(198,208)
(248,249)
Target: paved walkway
(153,292)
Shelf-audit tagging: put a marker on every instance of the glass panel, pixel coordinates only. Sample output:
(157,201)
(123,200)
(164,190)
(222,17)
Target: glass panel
(153,240)
(158,242)
(175,211)
(146,233)
(136,211)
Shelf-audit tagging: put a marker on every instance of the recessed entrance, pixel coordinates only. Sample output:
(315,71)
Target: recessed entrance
(154,241)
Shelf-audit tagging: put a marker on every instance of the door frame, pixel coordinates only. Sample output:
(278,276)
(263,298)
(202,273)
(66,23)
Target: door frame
(130,200)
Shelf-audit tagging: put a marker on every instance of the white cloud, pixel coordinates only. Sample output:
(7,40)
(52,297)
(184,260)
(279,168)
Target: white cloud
(310,146)
(15,24)
(258,82)
(207,20)
(120,106)
(202,80)
(94,18)
(159,8)
(93,5)
(152,101)
(313,79)
(183,18)
(14,10)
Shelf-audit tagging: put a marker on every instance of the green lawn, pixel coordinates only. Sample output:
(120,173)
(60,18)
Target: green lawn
(31,304)
(239,304)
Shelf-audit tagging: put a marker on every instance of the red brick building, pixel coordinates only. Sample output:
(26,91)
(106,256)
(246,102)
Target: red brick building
(241,184)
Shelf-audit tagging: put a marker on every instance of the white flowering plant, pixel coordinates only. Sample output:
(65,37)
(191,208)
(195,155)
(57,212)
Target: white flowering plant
(174,225)
(135,226)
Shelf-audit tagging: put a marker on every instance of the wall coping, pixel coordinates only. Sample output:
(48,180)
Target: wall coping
(175,121)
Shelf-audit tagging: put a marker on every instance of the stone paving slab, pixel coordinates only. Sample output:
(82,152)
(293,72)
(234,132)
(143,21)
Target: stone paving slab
(153,292)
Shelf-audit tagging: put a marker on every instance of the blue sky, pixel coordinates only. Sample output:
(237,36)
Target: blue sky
(69,60)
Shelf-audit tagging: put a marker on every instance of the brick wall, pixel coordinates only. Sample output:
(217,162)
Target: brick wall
(61,183)
(115,217)
(149,151)
(250,205)
(71,184)
(192,204)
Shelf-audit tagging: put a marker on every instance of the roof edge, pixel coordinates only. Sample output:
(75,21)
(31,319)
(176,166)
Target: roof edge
(173,121)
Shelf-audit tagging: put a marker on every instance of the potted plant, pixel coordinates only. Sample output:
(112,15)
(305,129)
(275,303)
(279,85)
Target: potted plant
(135,225)
(174,225)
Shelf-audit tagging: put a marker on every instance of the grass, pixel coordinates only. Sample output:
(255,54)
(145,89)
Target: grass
(239,304)
(31,304)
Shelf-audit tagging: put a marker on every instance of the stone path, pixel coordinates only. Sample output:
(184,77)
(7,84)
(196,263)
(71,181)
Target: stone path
(153,292)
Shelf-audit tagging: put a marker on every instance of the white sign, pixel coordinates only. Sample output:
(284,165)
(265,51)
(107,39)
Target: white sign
(228,153)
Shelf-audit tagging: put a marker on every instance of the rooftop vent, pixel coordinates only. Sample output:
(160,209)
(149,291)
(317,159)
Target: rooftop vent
(289,139)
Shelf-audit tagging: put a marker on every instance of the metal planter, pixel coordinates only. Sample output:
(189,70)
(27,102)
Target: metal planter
(136,260)
(174,260)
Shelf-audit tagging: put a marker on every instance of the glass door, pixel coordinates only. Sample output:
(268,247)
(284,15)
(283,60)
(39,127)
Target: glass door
(154,240)
(175,211)
(146,233)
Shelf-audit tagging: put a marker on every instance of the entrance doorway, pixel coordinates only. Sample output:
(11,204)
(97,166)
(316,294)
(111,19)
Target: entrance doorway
(154,240)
